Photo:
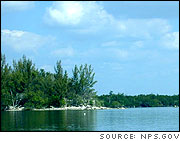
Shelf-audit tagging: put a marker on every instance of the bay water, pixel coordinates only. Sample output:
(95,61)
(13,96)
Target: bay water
(131,119)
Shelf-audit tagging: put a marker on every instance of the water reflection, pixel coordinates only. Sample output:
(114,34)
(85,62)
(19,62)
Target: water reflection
(48,121)
(132,119)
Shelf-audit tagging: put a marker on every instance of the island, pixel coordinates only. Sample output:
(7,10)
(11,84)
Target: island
(25,87)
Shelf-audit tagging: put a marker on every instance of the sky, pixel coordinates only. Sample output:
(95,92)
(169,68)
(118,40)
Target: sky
(133,47)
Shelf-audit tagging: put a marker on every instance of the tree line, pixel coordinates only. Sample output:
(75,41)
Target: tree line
(151,100)
(22,84)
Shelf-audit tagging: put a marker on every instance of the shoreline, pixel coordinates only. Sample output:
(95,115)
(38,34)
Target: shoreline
(63,108)
(71,108)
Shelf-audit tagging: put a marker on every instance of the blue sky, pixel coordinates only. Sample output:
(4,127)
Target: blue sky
(132,46)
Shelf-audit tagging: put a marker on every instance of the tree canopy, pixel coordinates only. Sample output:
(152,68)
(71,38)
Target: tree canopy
(24,85)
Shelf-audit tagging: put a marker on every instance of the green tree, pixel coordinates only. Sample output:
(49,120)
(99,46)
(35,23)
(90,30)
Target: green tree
(60,86)
(115,104)
(84,82)
(6,98)
(23,74)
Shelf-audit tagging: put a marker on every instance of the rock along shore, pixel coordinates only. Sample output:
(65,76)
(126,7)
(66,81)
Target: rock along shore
(64,108)
(71,108)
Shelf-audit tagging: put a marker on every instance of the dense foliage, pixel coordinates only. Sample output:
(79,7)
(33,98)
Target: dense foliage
(22,84)
(150,100)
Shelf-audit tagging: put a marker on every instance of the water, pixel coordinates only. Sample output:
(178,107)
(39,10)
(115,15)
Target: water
(132,119)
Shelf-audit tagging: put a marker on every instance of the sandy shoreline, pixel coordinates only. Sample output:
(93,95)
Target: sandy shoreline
(72,108)
(11,108)
(64,108)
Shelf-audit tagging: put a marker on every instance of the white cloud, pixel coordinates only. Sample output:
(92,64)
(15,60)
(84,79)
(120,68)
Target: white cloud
(64,52)
(77,13)
(171,40)
(143,28)
(89,17)
(16,5)
(22,40)
(66,12)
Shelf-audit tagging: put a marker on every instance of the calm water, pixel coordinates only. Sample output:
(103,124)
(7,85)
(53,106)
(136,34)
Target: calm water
(132,119)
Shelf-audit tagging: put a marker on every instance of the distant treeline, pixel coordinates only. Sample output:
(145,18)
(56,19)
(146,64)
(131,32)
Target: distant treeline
(150,100)
(22,84)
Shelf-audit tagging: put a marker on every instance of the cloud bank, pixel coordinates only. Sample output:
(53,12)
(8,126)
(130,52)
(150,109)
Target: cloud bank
(171,40)
(22,40)
(16,5)
(86,17)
